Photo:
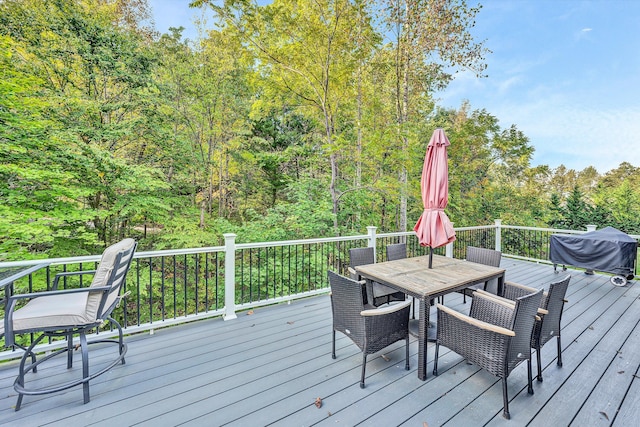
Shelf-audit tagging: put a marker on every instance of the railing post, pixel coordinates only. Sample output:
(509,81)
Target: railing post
(229,276)
(448,249)
(591,227)
(371,231)
(498,223)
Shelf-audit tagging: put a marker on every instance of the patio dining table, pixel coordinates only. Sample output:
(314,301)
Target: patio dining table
(414,277)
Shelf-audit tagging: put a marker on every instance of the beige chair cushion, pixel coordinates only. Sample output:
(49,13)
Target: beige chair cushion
(103,273)
(51,311)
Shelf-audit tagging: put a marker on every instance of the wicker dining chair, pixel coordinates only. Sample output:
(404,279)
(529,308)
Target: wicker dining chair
(67,313)
(496,335)
(377,294)
(548,325)
(396,251)
(484,256)
(370,328)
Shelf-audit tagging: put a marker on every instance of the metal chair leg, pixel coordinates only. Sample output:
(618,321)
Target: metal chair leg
(364,366)
(333,345)
(559,352)
(406,356)
(85,366)
(69,351)
(529,377)
(539,360)
(505,398)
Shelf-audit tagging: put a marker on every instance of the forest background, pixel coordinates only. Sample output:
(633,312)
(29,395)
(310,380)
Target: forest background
(290,120)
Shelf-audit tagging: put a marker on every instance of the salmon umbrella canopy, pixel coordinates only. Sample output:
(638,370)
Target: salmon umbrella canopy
(434,229)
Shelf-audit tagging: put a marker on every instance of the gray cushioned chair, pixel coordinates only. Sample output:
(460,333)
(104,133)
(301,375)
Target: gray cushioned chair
(377,294)
(70,312)
(496,335)
(371,329)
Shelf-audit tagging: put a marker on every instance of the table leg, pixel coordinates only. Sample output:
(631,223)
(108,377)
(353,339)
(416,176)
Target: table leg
(422,338)
(500,288)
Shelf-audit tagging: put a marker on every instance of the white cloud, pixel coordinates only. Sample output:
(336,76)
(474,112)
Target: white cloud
(583,34)
(506,85)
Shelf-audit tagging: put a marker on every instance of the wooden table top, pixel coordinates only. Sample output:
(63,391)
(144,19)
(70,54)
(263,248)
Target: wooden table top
(414,277)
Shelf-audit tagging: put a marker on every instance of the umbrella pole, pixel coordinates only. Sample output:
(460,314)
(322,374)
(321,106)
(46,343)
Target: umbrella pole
(430,256)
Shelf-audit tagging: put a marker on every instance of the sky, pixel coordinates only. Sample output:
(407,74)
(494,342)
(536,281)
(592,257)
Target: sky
(565,72)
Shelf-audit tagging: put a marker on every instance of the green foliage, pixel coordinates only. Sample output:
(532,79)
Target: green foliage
(286,121)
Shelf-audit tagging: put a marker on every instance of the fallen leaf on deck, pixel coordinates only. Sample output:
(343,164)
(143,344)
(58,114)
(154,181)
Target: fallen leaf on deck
(424,424)
(318,402)
(250,312)
(385,357)
(76,347)
(290,323)
(605,415)
(621,372)
(591,327)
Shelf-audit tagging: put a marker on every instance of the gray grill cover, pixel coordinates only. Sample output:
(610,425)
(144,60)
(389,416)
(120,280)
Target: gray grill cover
(608,250)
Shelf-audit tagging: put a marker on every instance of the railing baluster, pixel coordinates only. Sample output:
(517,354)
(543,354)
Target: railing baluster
(175,286)
(162,294)
(150,290)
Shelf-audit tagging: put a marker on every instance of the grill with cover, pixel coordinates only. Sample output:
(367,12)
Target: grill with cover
(608,250)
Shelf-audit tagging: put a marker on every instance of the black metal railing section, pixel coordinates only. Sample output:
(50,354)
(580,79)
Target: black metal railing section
(527,242)
(272,272)
(481,237)
(170,287)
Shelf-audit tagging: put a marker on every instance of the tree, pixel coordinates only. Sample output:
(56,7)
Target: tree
(486,177)
(97,78)
(431,38)
(304,56)
(37,184)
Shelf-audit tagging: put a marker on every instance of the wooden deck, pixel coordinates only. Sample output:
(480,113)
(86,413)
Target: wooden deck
(269,366)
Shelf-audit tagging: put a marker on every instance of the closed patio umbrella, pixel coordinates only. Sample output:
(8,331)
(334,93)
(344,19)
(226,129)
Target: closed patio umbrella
(434,229)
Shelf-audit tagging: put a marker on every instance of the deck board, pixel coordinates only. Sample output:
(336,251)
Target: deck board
(268,368)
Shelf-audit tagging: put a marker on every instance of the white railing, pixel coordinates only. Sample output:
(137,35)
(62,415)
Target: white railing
(177,286)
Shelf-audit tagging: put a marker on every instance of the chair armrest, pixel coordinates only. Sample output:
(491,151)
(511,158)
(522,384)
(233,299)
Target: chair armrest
(391,308)
(529,289)
(475,322)
(60,292)
(70,273)
(492,309)
(493,297)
